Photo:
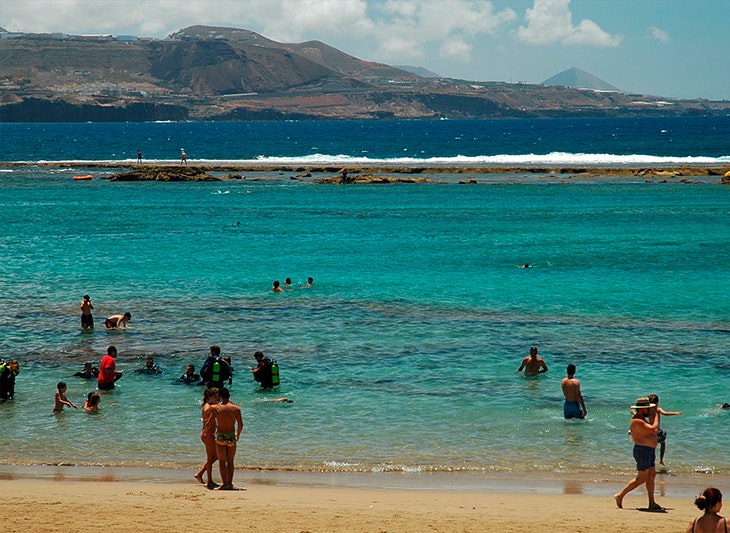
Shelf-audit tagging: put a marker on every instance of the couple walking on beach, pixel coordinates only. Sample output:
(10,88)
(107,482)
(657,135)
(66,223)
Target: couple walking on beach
(222,427)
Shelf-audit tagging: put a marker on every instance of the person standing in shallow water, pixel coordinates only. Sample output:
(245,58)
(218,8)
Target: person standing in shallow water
(533,364)
(108,374)
(87,320)
(574,406)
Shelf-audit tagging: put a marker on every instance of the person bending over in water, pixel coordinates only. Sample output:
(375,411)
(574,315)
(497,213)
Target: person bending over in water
(229,425)
(61,399)
(118,321)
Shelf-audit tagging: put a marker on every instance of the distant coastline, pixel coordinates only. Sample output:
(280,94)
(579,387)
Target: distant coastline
(667,170)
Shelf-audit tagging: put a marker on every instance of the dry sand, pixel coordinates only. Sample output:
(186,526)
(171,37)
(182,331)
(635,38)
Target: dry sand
(101,504)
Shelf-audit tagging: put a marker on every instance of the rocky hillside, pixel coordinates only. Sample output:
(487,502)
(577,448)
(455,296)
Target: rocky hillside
(206,73)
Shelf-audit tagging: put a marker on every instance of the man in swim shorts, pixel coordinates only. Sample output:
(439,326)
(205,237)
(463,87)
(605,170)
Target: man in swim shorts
(87,319)
(229,424)
(574,406)
(643,431)
(225,439)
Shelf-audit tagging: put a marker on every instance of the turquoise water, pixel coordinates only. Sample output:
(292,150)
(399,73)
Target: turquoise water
(403,354)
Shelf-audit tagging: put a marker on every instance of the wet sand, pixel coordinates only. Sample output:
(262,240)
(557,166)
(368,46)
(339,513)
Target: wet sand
(138,500)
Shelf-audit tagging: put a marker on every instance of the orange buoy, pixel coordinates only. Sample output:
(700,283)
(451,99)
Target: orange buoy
(83,178)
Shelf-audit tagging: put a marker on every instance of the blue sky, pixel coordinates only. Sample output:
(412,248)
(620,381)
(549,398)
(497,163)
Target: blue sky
(672,48)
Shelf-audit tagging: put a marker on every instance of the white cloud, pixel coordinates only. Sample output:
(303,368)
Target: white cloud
(456,48)
(551,21)
(659,35)
(452,25)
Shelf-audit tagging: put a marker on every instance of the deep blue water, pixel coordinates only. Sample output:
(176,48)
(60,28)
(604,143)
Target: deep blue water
(403,354)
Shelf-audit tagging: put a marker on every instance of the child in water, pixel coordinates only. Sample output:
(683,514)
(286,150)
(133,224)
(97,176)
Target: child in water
(61,399)
(662,433)
(92,402)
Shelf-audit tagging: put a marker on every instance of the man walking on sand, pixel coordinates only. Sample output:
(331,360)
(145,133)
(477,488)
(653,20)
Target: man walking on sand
(643,431)
(574,406)
(229,425)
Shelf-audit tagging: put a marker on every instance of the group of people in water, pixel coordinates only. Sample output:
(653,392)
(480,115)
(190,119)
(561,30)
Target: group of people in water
(278,287)
(112,322)
(644,430)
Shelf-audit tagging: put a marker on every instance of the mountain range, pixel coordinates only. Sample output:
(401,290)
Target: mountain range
(213,73)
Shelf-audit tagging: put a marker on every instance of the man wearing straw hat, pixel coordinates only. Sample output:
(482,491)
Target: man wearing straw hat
(643,431)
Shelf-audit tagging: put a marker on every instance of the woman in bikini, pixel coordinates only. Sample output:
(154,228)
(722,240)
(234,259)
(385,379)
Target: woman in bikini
(710,501)
(207,435)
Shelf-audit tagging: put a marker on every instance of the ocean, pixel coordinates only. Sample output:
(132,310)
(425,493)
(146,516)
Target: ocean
(403,354)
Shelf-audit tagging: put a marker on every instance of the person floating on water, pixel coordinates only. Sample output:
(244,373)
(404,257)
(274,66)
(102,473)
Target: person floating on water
(189,377)
(87,320)
(89,371)
(118,321)
(150,367)
(533,364)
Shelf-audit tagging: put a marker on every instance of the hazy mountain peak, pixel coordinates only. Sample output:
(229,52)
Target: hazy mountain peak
(579,79)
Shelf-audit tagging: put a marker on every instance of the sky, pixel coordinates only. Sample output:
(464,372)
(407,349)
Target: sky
(671,48)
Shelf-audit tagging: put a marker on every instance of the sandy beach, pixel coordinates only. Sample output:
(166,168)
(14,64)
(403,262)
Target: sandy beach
(97,500)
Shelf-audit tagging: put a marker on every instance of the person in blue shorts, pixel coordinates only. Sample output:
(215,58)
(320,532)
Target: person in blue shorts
(643,431)
(574,406)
